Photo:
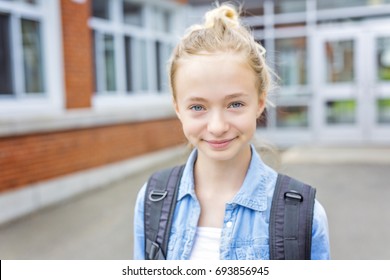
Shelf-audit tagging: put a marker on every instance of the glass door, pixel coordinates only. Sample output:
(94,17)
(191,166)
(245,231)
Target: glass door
(338,80)
(379,83)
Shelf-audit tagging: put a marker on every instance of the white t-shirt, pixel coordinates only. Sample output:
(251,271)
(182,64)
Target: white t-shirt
(207,243)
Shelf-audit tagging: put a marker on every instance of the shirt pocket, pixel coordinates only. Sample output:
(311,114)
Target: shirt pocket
(257,249)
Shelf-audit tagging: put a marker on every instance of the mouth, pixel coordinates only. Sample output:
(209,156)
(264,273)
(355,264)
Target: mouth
(219,144)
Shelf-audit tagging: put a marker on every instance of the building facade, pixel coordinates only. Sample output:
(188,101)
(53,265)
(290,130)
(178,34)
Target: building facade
(333,63)
(83,90)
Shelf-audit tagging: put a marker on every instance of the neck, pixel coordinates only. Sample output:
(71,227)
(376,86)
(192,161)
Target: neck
(222,175)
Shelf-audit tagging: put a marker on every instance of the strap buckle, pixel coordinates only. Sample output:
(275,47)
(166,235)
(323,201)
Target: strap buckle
(157,195)
(293,195)
(154,249)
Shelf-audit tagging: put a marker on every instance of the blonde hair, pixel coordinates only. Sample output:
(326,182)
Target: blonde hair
(222,31)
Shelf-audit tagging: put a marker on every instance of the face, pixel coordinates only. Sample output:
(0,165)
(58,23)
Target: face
(217,103)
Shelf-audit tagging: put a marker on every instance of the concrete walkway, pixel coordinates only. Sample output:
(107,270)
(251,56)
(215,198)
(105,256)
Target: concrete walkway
(95,225)
(354,187)
(352,184)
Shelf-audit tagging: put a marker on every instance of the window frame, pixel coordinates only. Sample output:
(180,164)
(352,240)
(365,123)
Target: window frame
(50,99)
(146,33)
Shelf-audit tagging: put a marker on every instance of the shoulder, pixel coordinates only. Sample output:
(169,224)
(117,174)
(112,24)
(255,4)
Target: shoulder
(140,200)
(319,211)
(320,219)
(320,234)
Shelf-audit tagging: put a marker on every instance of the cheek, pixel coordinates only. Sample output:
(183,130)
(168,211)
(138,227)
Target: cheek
(246,124)
(249,126)
(191,127)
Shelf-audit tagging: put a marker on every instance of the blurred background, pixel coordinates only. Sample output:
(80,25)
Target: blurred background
(86,116)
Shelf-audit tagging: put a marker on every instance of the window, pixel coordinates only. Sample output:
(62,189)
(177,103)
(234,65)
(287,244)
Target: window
(25,1)
(132,47)
(133,13)
(335,4)
(5,57)
(292,116)
(163,51)
(291,61)
(341,112)
(163,20)
(383,107)
(383,58)
(105,80)
(109,62)
(289,6)
(101,9)
(21,54)
(32,56)
(129,67)
(138,71)
(254,8)
(31,66)
(339,61)
(142,64)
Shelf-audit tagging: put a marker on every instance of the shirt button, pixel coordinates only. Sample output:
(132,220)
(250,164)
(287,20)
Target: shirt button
(229,224)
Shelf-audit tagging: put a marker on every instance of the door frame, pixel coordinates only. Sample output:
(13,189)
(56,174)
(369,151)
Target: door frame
(364,88)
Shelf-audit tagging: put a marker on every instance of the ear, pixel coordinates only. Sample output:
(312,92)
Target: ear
(261,104)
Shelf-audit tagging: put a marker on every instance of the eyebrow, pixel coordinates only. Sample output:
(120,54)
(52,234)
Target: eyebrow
(235,95)
(228,97)
(196,99)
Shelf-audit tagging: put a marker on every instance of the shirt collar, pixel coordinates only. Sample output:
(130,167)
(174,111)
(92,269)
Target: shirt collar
(187,184)
(253,192)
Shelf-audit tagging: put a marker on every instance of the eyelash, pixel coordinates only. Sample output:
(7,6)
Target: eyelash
(195,107)
(233,105)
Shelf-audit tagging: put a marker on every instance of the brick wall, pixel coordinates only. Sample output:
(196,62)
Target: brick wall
(32,158)
(77,48)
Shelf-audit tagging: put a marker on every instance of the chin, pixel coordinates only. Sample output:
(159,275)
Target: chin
(231,153)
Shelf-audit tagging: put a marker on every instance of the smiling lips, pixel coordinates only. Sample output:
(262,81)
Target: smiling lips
(219,144)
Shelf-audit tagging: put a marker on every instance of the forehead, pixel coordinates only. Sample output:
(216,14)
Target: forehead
(206,59)
(220,72)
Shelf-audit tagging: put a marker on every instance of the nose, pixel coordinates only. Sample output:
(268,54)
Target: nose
(217,124)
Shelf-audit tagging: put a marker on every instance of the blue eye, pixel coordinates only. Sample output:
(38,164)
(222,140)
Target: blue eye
(236,105)
(196,108)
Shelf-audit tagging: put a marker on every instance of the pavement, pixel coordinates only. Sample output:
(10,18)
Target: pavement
(352,184)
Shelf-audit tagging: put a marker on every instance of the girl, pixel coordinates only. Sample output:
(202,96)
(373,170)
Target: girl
(219,81)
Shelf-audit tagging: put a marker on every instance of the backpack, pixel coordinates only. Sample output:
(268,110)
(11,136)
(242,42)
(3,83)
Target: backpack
(290,226)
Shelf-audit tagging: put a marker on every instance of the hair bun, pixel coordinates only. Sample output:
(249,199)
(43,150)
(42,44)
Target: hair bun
(226,14)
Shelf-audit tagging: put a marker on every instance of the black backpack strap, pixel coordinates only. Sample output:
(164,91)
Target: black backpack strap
(160,202)
(291,219)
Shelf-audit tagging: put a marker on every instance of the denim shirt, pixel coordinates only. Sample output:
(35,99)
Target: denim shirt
(245,227)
